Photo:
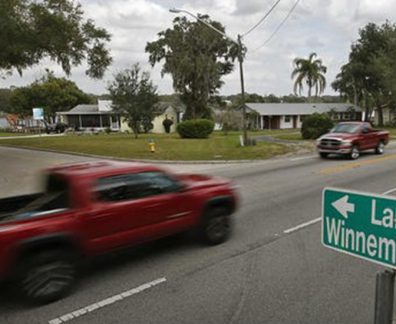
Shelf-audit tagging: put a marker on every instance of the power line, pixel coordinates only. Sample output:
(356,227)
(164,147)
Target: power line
(262,19)
(279,26)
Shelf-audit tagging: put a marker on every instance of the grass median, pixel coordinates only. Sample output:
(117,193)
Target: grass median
(167,146)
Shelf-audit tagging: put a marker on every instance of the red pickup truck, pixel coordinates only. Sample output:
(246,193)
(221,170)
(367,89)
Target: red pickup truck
(91,208)
(350,138)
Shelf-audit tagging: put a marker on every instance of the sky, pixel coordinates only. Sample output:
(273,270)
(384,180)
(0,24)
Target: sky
(326,27)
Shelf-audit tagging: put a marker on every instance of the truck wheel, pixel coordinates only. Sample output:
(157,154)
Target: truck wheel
(354,153)
(216,226)
(380,148)
(323,155)
(47,276)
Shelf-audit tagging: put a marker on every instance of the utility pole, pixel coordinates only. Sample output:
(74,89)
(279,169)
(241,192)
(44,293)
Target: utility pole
(240,59)
(238,42)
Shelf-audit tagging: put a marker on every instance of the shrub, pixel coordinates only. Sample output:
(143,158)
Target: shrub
(107,130)
(167,123)
(195,128)
(316,125)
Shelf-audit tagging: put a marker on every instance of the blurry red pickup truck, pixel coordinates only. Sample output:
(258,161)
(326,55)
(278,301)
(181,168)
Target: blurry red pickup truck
(350,138)
(91,208)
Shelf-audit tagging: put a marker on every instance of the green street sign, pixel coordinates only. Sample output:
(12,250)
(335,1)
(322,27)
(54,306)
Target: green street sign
(360,224)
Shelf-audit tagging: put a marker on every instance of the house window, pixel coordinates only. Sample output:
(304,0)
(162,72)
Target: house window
(287,119)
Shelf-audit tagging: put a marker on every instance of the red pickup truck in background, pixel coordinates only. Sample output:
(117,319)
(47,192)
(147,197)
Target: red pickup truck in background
(350,138)
(91,208)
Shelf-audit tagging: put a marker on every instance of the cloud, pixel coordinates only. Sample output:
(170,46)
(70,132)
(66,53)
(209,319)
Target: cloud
(326,27)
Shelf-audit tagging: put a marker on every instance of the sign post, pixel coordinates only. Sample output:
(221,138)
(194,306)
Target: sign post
(38,114)
(364,225)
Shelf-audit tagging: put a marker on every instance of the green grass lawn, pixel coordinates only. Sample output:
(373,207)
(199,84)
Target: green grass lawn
(168,147)
(392,131)
(13,134)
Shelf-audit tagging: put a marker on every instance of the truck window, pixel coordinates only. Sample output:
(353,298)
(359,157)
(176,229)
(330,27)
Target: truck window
(134,186)
(160,182)
(118,188)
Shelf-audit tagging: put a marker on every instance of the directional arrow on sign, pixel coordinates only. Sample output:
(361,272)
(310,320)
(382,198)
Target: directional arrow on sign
(343,206)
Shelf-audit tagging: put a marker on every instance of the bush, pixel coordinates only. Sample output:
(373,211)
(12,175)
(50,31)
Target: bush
(195,128)
(167,123)
(315,126)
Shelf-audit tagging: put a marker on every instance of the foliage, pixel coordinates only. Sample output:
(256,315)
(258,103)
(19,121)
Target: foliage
(147,124)
(312,72)
(134,96)
(197,57)
(369,77)
(51,93)
(195,128)
(316,125)
(167,123)
(33,30)
(229,119)
(5,105)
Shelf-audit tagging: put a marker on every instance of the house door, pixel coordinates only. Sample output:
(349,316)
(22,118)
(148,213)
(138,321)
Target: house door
(275,122)
(295,121)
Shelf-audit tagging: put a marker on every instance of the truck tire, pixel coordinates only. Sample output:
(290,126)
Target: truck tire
(323,155)
(47,276)
(380,148)
(354,153)
(216,225)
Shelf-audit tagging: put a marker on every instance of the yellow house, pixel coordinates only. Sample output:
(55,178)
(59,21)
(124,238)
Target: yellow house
(165,110)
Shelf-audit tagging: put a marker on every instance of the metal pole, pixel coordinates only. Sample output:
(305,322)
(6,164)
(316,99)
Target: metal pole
(384,290)
(240,59)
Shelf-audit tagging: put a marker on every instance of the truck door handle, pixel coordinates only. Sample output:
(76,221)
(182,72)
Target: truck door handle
(152,206)
(100,215)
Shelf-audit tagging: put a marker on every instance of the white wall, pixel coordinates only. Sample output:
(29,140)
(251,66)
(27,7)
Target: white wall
(157,122)
(286,124)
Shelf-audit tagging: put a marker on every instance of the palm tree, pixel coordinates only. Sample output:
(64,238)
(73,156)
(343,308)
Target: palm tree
(312,72)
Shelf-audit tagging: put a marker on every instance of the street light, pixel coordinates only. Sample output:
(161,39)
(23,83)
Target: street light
(238,42)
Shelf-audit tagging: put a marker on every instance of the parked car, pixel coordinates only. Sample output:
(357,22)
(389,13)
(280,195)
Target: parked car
(55,128)
(88,209)
(351,138)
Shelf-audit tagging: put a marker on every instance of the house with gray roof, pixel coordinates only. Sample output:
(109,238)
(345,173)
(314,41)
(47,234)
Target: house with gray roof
(101,116)
(97,116)
(291,115)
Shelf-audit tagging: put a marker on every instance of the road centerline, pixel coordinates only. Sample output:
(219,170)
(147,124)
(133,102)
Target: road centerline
(105,302)
(354,165)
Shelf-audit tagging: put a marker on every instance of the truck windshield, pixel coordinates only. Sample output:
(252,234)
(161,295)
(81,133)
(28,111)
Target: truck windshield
(345,128)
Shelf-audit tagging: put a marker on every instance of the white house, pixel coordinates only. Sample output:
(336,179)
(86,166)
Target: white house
(101,116)
(291,115)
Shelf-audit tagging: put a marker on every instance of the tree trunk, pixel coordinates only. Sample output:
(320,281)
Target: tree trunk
(380,116)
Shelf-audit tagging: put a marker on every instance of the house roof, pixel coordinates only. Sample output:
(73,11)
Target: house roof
(85,110)
(280,109)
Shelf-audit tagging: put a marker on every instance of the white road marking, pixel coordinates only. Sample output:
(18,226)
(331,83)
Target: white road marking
(389,191)
(290,230)
(105,302)
(293,229)
(303,158)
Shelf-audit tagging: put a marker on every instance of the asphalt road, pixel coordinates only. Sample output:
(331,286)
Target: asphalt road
(271,271)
